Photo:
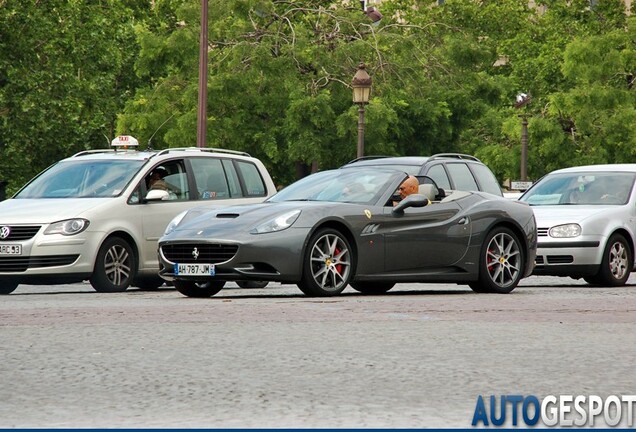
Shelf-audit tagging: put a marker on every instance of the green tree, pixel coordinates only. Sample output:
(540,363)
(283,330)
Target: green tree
(65,73)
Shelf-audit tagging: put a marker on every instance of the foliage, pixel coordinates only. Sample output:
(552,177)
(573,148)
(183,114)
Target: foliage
(65,72)
(445,78)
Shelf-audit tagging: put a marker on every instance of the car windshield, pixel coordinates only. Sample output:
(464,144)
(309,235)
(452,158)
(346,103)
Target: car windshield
(593,188)
(82,179)
(361,186)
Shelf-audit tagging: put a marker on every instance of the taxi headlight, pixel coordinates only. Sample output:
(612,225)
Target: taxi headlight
(175,222)
(278,223)
(67,227)
(565,231)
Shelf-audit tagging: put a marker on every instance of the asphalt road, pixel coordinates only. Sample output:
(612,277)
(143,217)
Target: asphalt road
(273,358)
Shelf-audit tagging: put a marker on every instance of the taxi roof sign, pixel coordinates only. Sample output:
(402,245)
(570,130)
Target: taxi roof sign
(124,141)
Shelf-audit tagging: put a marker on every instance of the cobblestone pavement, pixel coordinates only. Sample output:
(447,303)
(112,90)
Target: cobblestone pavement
(273,358)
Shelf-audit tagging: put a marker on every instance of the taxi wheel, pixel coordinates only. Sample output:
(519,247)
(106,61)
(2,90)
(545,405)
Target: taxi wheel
(149,283)
(115,266)
(198,289)
(372,287)
(7,287)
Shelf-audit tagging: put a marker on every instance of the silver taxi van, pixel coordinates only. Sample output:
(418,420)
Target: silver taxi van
(98,214)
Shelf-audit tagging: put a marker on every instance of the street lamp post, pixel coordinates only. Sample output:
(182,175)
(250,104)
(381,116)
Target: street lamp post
(522,100)
(524,147)
(203,76)
(361,84)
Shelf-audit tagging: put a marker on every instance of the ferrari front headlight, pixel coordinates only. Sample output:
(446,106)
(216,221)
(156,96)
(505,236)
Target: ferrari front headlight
(565,231)
(175,222)
(278,223)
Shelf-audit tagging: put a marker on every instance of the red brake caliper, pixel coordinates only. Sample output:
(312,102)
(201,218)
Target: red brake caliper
(490,258)
(338,266)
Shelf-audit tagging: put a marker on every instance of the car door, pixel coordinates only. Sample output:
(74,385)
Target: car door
(425,238)
(157,214)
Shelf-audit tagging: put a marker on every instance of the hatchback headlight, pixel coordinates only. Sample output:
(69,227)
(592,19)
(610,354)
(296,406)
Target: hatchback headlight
(279,223)
(565,231)
(67,227)
(175,222)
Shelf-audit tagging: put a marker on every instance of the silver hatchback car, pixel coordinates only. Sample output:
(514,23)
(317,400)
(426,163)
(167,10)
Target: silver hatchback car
(97,215)
(586,221)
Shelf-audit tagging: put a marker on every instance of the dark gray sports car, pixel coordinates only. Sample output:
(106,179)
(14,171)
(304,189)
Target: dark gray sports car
(342,227)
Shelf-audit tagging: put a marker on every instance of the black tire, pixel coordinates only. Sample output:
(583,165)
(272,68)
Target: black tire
(327,264)
(115,266)
(198,289)
(252,284)
(7,287)
(501,262)
(372,287)
(592,280)
(149,283)
(617,262)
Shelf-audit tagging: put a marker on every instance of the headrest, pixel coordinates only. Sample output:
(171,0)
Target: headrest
(428,190)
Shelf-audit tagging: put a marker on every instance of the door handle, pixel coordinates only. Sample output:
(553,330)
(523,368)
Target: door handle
(463,221)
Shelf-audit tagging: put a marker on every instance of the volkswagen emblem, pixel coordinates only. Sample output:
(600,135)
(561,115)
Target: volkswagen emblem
(195,253)
(4,232)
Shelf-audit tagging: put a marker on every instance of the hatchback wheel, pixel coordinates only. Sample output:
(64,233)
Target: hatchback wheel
(327,266)
(115,266)
(617,262)
(7,287)
(501,263)
(198,289)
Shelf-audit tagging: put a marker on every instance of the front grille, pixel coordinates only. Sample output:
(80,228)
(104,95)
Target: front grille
(21,232)
(207,253)
(539,260)
(20,264)
(542,232)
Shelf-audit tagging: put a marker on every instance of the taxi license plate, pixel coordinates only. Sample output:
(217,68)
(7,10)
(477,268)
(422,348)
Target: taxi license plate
(194,269)
(10,249)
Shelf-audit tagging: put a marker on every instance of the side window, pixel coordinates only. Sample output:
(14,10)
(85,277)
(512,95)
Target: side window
(232,178)
(462,177)
(254,186)
(171,177)
(487,180)
(438,173)
(210,178)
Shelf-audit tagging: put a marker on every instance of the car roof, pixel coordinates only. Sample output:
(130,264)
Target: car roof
(599,168)
(409,160)
(110,154)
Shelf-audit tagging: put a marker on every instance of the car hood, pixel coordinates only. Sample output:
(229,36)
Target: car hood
(245,217)
(557,214)
(46,210)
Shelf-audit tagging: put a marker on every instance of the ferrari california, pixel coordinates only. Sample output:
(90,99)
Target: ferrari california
(343,227)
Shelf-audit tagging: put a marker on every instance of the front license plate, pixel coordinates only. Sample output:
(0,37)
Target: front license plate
(194,269)
(10,249)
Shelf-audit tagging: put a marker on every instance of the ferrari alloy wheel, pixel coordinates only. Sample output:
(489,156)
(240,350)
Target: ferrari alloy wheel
(372,287)
(617,262)
(501,264)
(198,289)
(7,287)
(115,266)
(327,265)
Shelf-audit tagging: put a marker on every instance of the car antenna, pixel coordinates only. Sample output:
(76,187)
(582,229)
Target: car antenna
(149,147)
